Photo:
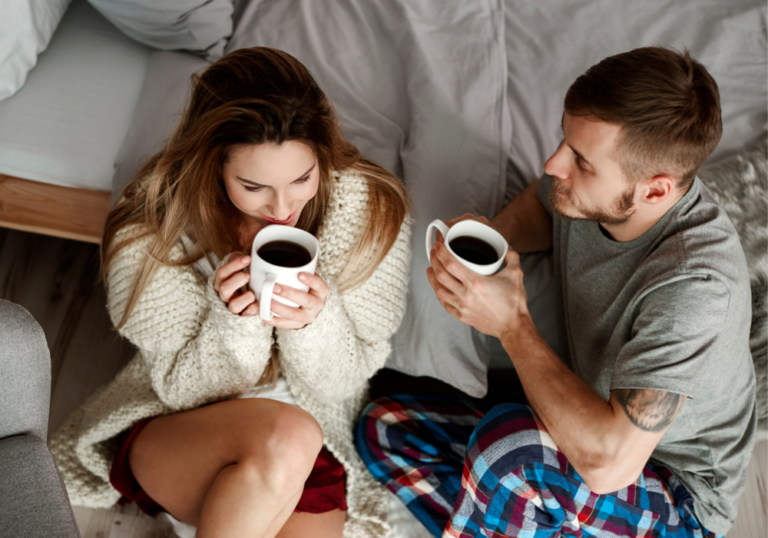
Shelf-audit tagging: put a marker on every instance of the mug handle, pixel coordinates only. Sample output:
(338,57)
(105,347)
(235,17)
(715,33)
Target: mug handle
(265,302)
(440,225)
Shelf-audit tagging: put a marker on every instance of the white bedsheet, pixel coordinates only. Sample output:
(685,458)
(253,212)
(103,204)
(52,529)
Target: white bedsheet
(66,125)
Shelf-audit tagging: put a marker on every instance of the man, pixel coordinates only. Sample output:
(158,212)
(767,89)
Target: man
(650,430)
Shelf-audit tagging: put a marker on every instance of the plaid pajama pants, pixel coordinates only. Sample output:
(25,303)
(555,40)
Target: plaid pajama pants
(464,475)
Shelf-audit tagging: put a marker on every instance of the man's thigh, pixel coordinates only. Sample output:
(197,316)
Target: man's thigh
(516,482)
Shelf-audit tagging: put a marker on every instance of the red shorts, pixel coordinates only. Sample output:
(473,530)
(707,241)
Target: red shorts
(323,490)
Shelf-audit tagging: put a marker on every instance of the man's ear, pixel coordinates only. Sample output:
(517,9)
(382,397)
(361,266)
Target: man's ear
(658,189)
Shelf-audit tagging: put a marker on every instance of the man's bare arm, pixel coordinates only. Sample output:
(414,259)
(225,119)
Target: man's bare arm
(649,410)
(525,223)
(608,443)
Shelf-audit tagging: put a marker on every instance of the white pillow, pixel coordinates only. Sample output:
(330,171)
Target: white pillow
(26,27)
(198,26)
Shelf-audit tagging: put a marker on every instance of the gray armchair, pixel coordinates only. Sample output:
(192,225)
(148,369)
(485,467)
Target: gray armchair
(33,500)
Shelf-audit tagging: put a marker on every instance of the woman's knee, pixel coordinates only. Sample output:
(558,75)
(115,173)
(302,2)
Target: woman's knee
(284,448)
(269,442)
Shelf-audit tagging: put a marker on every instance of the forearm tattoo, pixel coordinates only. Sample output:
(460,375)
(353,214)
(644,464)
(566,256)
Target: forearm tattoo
(649,410)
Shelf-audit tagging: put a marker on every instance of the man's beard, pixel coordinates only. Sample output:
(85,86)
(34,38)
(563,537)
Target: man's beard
(619,213)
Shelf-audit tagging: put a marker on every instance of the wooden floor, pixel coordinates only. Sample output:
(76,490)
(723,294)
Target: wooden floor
(56,280)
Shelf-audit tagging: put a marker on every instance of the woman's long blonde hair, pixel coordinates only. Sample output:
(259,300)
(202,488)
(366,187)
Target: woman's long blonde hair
(250,96)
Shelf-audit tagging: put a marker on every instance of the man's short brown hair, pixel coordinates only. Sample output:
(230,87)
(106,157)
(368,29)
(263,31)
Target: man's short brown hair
(668,107)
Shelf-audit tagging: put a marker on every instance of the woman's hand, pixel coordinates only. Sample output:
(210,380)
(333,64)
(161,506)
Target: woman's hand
(310,303)
(229,283)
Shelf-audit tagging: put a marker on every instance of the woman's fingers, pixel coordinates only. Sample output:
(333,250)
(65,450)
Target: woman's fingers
(229,288)
(251,310)
(241,302)
(301,315)
(236,263)
(306,300)
(289,317)
(283,323)
(317,285)
(309,303)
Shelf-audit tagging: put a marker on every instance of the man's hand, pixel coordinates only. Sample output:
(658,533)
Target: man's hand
(465,216)
(493,305)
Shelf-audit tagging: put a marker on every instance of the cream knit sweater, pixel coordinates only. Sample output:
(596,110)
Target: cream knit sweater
(192,350)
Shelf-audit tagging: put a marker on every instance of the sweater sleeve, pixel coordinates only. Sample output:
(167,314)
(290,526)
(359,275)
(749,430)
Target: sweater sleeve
(194,349)
(349,341)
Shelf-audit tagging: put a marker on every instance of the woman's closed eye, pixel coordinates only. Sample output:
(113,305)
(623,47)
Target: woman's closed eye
(260,188)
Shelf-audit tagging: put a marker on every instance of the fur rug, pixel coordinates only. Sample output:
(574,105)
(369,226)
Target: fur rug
(740,185)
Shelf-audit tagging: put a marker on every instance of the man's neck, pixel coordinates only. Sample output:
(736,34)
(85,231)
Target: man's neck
(642,220)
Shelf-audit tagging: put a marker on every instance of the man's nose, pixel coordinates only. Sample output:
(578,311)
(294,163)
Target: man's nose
(557,164)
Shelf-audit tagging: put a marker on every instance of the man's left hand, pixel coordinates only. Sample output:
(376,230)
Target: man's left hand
(493,305)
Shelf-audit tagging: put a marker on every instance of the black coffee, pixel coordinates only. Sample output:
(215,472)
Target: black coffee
(284,254)
(474,250)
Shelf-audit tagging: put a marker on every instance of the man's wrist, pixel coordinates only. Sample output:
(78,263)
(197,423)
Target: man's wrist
(519,331)
(505,226)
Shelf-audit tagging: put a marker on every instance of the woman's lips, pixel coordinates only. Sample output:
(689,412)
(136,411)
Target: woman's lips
(275,221)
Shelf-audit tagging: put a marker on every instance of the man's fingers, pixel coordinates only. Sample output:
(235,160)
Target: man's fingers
(511,258)
(465,216)
(443,294)
(452,311)
(452,265)
(442,275)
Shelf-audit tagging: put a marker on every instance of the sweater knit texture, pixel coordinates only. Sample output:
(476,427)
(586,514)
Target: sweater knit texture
(193,351)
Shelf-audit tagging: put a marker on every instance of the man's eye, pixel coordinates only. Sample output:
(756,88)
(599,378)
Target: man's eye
(579,164)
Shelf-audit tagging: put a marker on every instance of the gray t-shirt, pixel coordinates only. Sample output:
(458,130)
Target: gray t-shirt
(668,311)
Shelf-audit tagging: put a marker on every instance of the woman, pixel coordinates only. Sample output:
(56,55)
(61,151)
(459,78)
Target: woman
(238,426)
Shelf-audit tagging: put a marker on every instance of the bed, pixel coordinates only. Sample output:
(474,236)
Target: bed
(462,100)
(60,134)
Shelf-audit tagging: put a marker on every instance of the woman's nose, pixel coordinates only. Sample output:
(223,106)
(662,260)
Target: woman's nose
(280,208)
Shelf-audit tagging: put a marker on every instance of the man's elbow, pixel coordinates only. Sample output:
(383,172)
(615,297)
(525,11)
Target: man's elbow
(608,476)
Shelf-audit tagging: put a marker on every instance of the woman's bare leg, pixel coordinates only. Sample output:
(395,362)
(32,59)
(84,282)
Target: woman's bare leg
(303,524)
(233,468)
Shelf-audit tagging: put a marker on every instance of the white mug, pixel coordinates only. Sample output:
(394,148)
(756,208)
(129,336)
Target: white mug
(470,228)
(265,275)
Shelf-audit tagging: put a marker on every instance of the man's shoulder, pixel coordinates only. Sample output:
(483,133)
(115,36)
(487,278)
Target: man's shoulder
(700,239)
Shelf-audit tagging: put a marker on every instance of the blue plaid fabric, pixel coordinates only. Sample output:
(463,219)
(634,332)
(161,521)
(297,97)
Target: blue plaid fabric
(464,475)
